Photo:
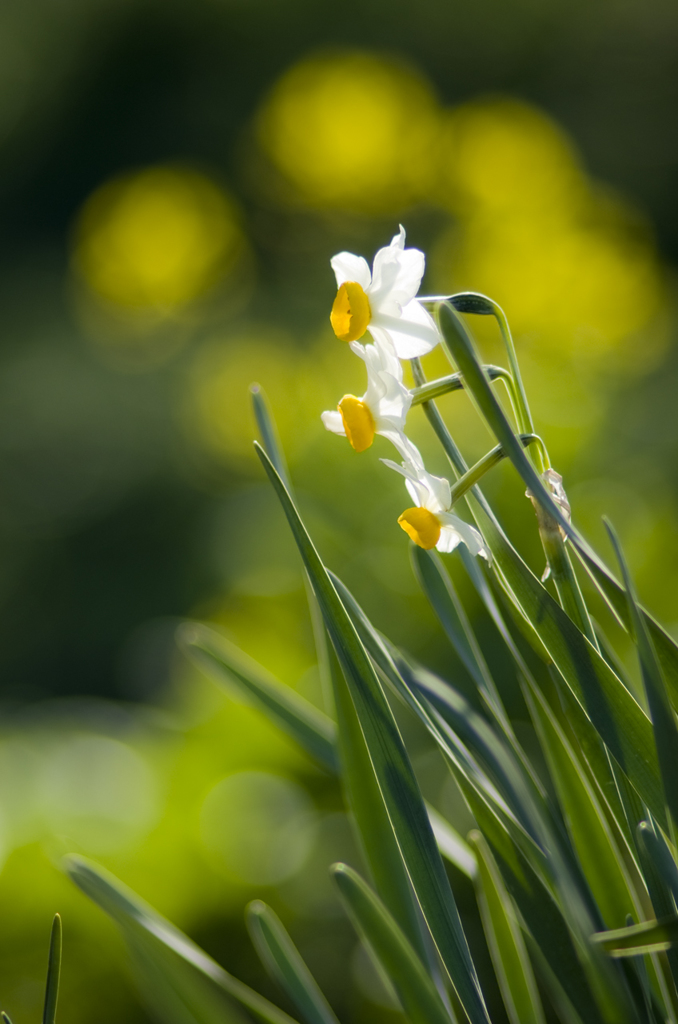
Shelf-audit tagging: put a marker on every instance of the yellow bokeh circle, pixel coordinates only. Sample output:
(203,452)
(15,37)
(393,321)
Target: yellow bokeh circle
(500,153)
(353,130)
(158,238)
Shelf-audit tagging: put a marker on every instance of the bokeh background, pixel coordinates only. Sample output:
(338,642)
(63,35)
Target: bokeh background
(173,180)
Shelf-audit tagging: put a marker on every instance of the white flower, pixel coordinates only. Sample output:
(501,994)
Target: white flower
(430,524)
(384,406)
(383,302)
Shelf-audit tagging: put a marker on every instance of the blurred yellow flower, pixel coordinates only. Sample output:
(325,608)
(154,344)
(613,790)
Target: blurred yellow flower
(157,239)
(502,155)
(575,270)
(352,130)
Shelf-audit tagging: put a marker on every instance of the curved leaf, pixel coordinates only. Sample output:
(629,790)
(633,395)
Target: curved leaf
(228,665)
(418,995)
(176,967)
(392,767)
(507,948)
(281,959)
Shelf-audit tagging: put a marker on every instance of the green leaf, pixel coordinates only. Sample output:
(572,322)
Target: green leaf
(598,854)
(53,973)
(392,767)
(439,589)
(281,959)
(228,665)
(616,599)
(6,1017)
(418,995)
(539,912)
(659,876)
(375,831)
(615,713)
(648,937)
(453,848)
(174,965)
(566,710)
(664,865)
(661,712)
(269,432)
(507,948)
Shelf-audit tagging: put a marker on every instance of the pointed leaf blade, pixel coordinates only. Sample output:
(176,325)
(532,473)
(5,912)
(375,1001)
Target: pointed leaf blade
(507,948)
(281,959)
(420,1000)
(168,948)
(397,782)
(228,665)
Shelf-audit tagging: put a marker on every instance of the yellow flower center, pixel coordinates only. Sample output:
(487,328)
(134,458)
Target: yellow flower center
(358,422)
(421,526)
(350,312)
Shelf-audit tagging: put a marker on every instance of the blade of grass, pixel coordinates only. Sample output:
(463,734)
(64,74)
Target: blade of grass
(440,591)
(418,996)
(392,767)
(225,663)
(164,944)
(661,712)
(648,937)
(599,857)
(453,848)
(507,948)
(375,831)
(53,973)
(281,959)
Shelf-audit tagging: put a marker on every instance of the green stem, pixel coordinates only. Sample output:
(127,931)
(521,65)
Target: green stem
(435,419)
(484,465)
(476,303)
(564,578)
(453,382)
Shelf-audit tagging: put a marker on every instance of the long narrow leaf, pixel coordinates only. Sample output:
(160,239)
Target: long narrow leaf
(281,959)
(661,712)
(648,937)
(375,832)
(397,782)
(438,587)
(417,993)
(600,859)
(507,948)
(453,848)
(53,973)
(169,950)
(228,665)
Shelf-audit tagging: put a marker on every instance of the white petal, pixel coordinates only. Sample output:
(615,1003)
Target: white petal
(410,453)
(448,540)
(348,267)
(414,333)
(333,421)
(453,525)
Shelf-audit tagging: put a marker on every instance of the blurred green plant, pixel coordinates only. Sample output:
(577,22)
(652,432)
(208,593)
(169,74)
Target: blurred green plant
(573,857)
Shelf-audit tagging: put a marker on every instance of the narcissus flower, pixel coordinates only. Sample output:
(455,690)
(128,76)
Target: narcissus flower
(430,524)
(383,302)
(384,406)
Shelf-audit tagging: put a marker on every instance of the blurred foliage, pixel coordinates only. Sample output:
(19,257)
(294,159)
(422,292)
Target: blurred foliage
(173,183)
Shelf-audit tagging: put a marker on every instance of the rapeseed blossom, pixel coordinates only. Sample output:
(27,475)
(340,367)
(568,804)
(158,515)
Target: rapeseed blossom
(383,302)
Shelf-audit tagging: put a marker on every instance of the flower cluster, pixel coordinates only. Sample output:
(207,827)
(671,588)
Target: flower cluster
(384,303)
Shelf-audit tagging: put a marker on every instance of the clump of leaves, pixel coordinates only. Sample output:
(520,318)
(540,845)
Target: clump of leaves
(577,880)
